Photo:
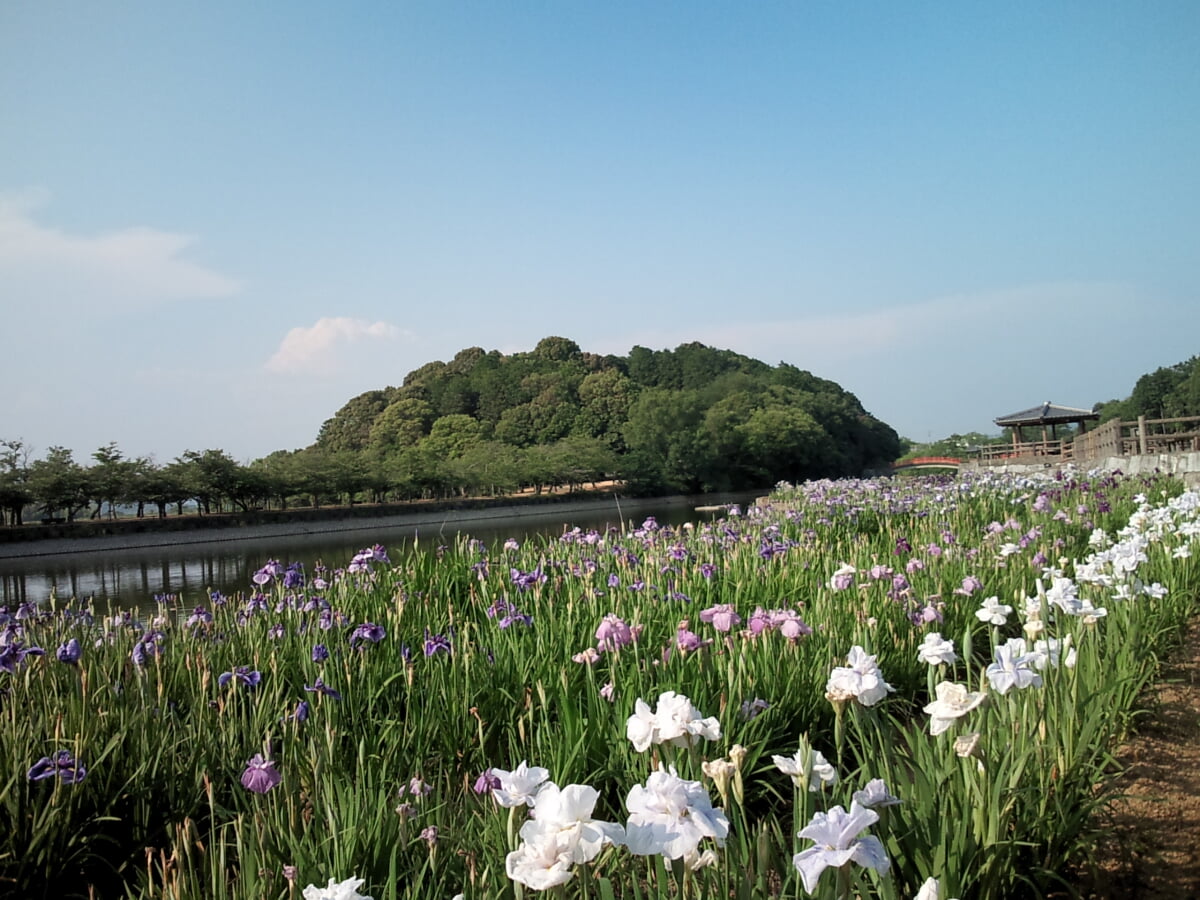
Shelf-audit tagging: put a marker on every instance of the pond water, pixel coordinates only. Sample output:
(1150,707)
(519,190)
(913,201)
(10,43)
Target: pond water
(131,578)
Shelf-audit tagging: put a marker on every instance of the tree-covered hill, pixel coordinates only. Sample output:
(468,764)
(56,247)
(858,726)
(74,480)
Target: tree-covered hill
(691,419)
(1166,393)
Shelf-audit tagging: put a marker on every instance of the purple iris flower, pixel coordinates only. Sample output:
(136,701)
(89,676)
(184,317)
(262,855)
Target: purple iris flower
(367,632)
(790,625)
(760,621)
(436,643)
(970,585)
(613,633)
(199,616)
(515,616)
(903,546)
(506,614)
(526,580)
(301,713)
(722,616)
(294,576)
(320,653)
(486,783)
(320,687)
(69,652)
(272,569)
(260,775)
(687,640)
(257,603)
(241,675)
(923,615)
(63,765)
(13,654)
(752,709)
(148,645)
(275,632)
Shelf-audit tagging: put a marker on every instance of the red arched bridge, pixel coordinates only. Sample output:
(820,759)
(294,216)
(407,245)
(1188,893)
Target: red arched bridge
(929,462)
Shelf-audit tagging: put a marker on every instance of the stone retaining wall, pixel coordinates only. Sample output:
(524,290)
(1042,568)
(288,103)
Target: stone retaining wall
(1181,465)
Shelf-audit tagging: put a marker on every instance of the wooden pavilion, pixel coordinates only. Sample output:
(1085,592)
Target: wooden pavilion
(1048,416)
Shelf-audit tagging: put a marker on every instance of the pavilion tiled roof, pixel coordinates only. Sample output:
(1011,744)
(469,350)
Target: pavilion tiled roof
(1047,414)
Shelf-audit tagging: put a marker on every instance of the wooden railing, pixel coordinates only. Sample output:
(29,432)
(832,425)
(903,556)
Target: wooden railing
(999,453)
(1117,438)
(1113,438)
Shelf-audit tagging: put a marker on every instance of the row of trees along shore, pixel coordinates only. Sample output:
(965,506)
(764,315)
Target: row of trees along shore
(690,420)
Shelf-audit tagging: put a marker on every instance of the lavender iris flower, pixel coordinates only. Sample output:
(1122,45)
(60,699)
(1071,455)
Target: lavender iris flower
(722,616)
(241,675)
(272,569)
(486,783)
(13,654)
(69,652)
(301,713)
(148,645)
(526,580)
(515,617)
(199,616)
(752,709)
(436,643)
(320,653)
(367,632)
(294,576)
(320,687)
(64,765)
(260,775)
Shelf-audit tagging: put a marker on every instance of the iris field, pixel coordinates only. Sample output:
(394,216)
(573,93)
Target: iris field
(893,688)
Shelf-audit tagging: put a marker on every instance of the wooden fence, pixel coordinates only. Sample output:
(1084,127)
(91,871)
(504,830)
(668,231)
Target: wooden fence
(1113,438)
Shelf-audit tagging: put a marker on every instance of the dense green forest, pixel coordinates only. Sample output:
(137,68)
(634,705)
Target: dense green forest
(693,419)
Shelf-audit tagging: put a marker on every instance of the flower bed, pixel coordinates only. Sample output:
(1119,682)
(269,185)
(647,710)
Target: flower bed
(873,688)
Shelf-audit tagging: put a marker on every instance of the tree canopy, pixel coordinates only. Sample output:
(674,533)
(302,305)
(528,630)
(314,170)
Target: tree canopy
(695,418)
(692,419)
(1166,393)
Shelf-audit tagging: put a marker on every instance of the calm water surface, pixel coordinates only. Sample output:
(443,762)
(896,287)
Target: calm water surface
(132,578)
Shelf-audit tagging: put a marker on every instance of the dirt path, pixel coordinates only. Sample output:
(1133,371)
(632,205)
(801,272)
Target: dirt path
(1154,851)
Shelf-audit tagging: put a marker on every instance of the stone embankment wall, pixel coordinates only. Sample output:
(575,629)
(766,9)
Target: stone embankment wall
(1181,465)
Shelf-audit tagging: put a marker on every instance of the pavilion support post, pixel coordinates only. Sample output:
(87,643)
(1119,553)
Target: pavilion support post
(1142,442)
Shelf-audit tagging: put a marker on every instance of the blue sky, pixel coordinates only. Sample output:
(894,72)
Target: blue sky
(219,221)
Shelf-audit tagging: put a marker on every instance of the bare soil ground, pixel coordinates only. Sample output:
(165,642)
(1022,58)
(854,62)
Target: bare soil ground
(1152,851)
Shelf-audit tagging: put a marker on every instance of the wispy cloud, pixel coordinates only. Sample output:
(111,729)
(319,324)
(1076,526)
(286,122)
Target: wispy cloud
(315,349)
(111,269)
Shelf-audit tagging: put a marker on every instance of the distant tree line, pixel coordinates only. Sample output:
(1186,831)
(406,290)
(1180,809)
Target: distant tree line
(690,420)
(956,445)
(1166,393)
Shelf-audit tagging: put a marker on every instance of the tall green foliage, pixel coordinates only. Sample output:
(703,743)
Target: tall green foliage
(1166,393)
(691,419)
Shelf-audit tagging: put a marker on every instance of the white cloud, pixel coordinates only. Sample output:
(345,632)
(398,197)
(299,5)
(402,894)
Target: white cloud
(110,270)
(315,349)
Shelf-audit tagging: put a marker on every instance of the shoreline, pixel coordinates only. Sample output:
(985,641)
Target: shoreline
(622,508)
